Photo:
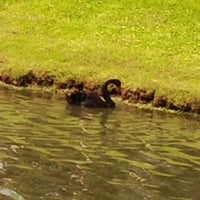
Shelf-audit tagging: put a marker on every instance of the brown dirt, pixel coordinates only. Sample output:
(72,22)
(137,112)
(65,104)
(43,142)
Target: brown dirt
(139,95)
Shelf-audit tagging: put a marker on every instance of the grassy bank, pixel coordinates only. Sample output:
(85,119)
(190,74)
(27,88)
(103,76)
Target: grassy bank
(153,44)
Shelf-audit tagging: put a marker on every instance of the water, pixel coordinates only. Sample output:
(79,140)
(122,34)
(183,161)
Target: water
(51,151)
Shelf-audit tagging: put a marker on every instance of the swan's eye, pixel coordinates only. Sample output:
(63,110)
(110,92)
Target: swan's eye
(111,86)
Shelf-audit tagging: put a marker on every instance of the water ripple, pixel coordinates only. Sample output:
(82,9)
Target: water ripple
(51,151)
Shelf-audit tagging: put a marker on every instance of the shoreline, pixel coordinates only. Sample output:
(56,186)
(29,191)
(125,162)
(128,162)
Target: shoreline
(139,97)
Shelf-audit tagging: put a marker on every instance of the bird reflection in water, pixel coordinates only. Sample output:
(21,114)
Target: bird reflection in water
(85,115)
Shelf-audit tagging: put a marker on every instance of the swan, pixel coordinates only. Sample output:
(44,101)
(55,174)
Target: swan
(76,98)
(93,100)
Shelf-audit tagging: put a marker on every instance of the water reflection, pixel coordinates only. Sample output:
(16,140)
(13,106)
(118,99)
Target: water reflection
(50,151)
(85,115)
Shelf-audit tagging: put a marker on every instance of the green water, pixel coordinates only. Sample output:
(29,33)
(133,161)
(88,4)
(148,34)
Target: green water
(51,151)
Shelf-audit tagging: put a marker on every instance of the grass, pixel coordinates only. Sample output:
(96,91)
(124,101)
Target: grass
(153,44)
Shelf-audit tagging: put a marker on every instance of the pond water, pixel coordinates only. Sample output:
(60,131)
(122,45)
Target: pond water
(51,151)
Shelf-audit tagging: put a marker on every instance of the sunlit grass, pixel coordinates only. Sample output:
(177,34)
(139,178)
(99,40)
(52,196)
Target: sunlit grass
(153,44)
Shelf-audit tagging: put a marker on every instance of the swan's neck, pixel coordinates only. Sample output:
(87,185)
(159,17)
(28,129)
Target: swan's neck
(106,95)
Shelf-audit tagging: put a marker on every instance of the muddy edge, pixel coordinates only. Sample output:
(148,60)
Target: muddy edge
(135,96)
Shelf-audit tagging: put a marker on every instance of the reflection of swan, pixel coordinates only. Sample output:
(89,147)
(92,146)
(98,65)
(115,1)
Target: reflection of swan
(11,193)
(104,118)
(86,116)
(93,100)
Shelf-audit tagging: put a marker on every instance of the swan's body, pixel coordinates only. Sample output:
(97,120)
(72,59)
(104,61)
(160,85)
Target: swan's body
(76,98)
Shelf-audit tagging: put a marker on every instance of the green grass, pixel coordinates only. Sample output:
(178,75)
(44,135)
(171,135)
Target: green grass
(145,43)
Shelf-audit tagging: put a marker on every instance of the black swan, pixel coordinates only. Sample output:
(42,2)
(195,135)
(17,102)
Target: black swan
(76,97)
(93,100)
(77,94)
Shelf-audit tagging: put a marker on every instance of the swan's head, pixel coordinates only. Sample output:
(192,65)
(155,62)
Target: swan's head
(114,86)
(116,82)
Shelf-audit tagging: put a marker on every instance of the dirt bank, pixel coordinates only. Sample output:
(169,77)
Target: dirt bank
(135,96)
